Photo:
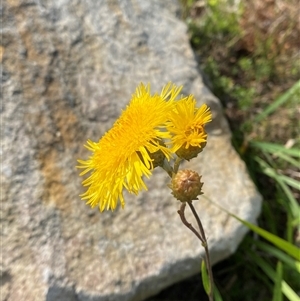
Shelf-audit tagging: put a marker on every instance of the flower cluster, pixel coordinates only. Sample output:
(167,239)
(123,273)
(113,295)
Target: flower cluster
(151,130)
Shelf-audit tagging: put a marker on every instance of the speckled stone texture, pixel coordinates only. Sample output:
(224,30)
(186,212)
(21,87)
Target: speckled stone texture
(69,68)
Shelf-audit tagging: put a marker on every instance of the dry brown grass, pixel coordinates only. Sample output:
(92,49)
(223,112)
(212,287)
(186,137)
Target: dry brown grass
(269,39)
(277,19)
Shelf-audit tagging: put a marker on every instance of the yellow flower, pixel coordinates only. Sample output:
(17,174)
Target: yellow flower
(123,155)
(186,125)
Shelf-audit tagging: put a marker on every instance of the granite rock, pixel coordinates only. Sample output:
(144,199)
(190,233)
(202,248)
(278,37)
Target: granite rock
(69,68)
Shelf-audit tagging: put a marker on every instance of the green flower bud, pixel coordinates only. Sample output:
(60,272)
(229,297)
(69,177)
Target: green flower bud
(190,152)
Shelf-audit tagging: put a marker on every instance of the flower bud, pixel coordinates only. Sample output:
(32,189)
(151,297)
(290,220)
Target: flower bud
(190,152)
(158,157)
(186,185)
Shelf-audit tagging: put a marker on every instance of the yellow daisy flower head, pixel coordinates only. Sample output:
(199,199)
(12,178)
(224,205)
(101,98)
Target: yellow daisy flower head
(123,155)
(186,126)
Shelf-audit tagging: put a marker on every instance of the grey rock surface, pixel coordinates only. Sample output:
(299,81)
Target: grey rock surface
(69,67)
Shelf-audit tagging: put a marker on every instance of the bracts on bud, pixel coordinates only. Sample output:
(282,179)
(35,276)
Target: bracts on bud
(186,185)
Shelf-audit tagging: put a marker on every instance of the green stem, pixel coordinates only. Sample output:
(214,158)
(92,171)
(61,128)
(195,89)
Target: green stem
(176,164)
(168,168)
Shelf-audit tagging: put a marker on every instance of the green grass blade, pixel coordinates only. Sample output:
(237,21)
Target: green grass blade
(277,293)
(275,149)
(295,209)
(269,271)
(275,240)
(292,263)
(269,215)
(278,102)
(290,181)
(290,227)
(281,153)
(296,222)
(288,159)
(269,171)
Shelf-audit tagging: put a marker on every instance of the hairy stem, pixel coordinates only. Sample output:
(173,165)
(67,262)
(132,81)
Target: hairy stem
(201,236)
(186,223)
(167,167)
(176,164)
(205,245)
